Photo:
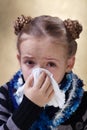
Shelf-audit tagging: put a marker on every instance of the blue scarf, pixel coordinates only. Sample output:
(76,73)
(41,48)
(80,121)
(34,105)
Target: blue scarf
(52,117)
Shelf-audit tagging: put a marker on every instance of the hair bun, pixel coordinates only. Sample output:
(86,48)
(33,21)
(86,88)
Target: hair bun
(73,28)
(20,23)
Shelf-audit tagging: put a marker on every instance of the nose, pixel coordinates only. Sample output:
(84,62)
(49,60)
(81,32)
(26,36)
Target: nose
(40,66)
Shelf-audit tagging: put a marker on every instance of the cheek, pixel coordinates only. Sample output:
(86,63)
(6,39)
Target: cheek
(26,72)
(59,74)
(58,77)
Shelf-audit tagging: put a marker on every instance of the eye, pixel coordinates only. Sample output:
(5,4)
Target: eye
(51,64)
(30,63)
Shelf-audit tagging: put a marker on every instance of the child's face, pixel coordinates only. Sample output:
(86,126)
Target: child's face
(40,52)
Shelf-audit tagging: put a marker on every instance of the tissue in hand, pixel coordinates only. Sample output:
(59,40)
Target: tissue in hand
(58,99)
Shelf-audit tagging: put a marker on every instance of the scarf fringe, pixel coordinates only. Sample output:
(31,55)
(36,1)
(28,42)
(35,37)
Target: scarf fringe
(72,96)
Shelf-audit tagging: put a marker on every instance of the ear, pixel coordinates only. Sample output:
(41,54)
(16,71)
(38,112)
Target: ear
(19,58)
(70,63)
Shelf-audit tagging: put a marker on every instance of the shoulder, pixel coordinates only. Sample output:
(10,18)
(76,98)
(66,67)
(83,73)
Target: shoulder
(5,99)
(79,117)
(82,109)
(84,99)
(4,91)
(83,105)
(85,94)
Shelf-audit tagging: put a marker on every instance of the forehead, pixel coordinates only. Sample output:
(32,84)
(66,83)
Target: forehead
(54,40)
(48,45)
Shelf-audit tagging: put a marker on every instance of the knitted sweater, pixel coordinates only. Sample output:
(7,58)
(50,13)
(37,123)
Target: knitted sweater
(27,113)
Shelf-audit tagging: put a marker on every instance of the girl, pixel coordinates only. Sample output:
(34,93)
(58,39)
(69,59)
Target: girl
(46,42)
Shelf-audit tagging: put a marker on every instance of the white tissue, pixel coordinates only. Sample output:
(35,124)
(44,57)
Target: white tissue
(58,99)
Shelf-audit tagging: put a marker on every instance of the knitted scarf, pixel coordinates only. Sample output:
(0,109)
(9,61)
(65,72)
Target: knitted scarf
(52,117)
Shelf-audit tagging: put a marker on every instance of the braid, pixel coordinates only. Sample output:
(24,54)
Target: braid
(20,23)
(73,28)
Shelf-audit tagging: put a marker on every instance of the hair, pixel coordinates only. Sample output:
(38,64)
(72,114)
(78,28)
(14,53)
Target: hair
(66,31)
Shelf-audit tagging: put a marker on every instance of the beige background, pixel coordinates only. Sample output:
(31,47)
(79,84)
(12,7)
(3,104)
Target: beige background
(10,9)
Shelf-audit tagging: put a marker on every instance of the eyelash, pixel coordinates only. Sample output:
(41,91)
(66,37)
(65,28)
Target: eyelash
(52,64)
(31,63)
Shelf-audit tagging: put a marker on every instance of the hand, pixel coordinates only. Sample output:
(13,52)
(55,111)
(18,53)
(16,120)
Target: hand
(41,92)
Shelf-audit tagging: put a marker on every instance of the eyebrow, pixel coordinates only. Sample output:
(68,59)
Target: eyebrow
(47,58)
(28,56)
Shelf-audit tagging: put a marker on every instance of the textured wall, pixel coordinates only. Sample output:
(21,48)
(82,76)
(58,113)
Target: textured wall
(9,10)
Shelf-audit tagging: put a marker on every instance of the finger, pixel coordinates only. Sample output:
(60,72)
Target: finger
(40,80)
(51,95)
(46,84)
(49,90)
(30,81)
